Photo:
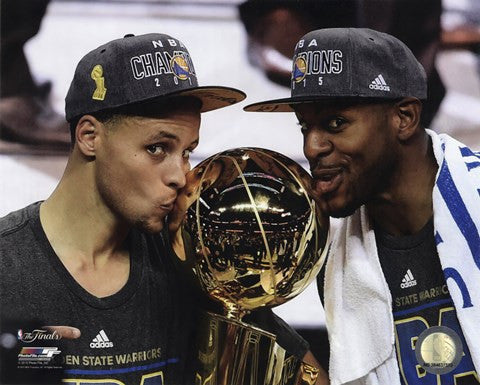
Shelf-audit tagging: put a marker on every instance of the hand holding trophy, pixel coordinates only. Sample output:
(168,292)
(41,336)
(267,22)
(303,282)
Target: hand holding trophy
(255,239)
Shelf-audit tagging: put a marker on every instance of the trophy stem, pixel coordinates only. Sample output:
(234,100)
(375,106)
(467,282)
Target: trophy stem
(231,352)
(234,312)
(231,309)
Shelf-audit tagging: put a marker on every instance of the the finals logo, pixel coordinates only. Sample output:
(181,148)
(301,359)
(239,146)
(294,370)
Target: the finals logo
(37,335)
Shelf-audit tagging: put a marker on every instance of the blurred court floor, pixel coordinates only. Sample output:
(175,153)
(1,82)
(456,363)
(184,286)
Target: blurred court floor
(217,43)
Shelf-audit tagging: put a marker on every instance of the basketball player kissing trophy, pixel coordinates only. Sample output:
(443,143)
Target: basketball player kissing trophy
(254,238)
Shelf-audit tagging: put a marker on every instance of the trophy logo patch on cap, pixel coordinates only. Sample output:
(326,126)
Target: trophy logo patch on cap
(180,67)
(97,76)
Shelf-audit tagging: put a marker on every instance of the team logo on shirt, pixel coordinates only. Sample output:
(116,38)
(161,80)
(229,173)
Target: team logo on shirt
(101,341)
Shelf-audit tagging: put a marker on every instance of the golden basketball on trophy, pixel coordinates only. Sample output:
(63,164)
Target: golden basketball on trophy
(255,238)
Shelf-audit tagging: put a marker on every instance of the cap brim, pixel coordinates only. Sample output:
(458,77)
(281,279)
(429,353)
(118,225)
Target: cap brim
(288,104)
(282,105)
(213,97)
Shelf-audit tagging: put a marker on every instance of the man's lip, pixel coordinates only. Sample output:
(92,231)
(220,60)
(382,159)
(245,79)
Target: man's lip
(168,205)
(326,172)
(327,180)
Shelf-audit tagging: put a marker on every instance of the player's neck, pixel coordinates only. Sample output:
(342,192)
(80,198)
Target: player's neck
(406,206)
(76,220)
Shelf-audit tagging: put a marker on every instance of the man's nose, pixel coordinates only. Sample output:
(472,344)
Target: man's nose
(316,143)
(176,177)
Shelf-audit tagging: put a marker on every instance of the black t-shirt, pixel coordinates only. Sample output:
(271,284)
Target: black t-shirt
(143,334)
(420,300)
(139,335)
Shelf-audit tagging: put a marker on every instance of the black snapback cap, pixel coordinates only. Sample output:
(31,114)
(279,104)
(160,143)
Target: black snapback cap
(138,69)
(350,63)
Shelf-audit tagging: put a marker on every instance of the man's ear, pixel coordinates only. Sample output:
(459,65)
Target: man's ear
(407,114)
(86,134)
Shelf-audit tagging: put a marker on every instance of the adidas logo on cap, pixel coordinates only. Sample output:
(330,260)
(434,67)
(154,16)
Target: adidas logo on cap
(379,84)
(101,341)
(408,280)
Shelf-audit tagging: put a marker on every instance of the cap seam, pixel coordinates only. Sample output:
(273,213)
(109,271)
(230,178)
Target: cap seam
(350,64)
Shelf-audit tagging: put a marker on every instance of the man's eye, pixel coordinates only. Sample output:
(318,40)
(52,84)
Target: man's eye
(156,149)
(335,124)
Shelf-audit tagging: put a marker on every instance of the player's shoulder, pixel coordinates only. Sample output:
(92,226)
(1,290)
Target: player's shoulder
(16,220)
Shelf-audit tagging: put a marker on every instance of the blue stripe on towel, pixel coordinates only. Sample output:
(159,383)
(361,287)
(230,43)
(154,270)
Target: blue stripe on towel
(472,165)
(459,211)
(465,151)
(450,272)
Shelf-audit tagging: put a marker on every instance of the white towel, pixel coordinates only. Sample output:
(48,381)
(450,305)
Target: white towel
(358,304)
(456,219)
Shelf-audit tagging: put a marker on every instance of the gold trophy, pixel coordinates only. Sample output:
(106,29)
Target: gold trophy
(254,238)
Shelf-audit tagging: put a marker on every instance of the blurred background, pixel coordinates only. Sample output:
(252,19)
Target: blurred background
(242,44)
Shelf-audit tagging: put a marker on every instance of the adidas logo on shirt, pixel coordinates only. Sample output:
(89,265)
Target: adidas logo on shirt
(101,341)
(408,280)
(379,84)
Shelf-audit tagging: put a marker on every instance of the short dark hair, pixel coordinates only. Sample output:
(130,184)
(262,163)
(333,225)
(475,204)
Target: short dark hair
(155,108)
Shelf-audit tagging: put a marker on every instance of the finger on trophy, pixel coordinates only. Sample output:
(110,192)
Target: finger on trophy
(67,332)
(308,374)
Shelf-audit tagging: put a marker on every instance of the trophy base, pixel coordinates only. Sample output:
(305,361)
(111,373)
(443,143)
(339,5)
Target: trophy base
(231,352)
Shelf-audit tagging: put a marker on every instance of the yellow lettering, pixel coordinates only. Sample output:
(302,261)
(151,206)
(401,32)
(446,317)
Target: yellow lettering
(85,360)
(121,358)
(72,360)
(424,295)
